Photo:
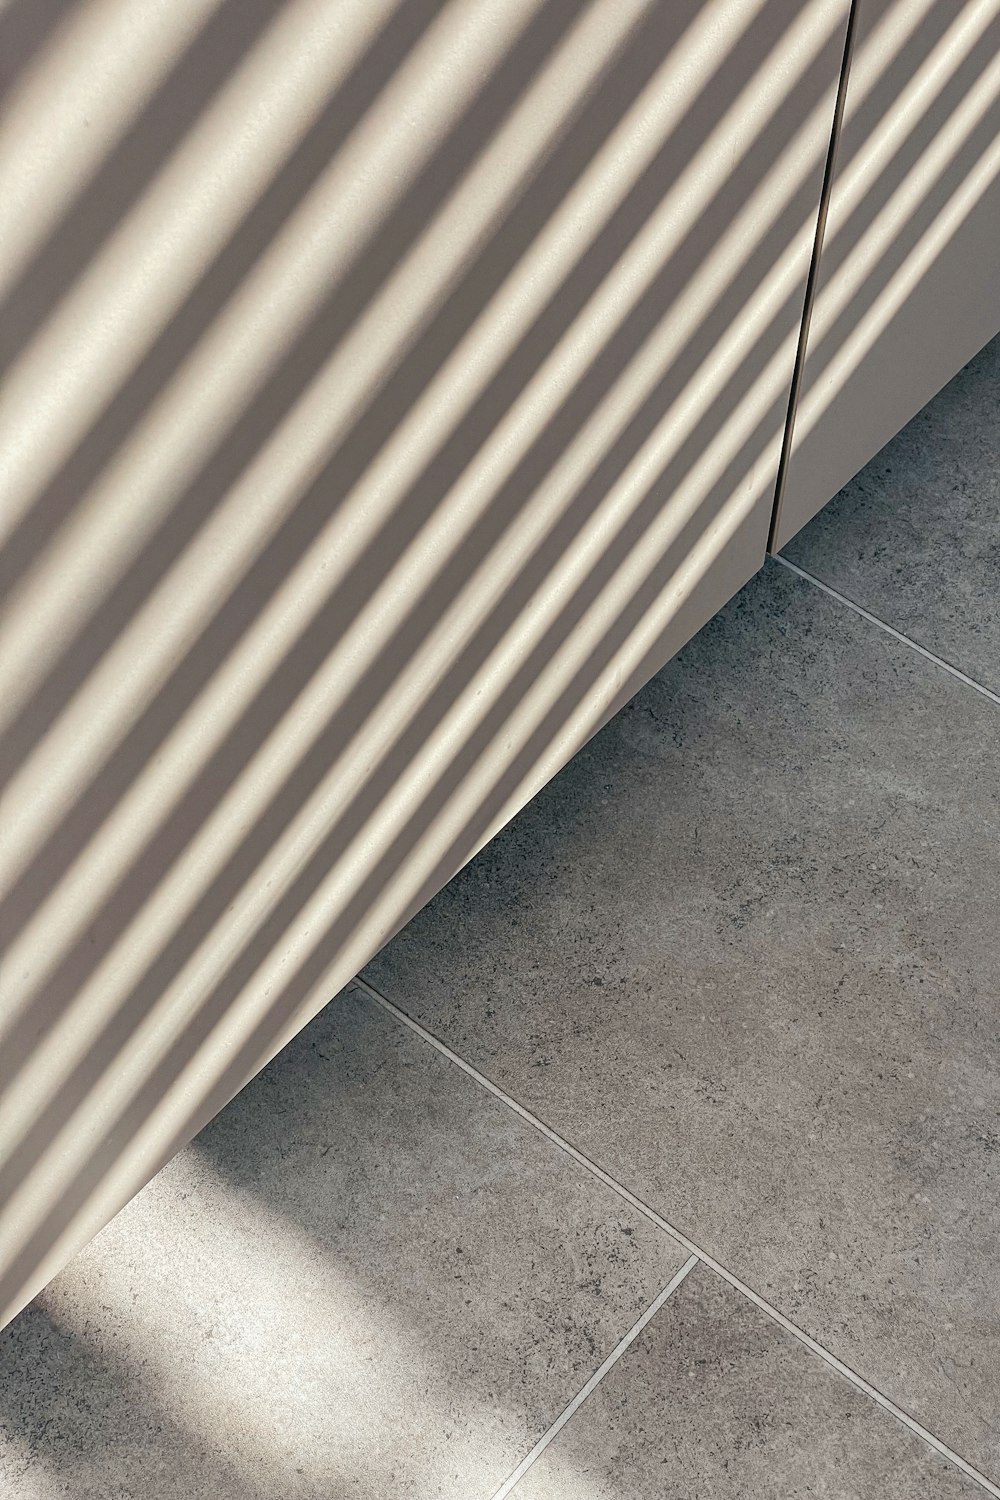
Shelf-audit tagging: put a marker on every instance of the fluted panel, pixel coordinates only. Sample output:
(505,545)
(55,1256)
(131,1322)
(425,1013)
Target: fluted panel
(391,388)
(908,284)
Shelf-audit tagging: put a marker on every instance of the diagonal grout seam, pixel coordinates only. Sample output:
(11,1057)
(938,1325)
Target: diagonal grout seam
(694,1250)
(897,635)
(594,1381)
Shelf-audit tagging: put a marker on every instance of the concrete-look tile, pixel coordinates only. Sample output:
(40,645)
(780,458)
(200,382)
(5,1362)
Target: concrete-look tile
(366,1278)
(743,952)
(715,1400)
(915,537)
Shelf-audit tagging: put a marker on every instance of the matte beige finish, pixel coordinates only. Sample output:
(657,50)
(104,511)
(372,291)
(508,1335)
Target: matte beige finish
(391,389)
(908,285)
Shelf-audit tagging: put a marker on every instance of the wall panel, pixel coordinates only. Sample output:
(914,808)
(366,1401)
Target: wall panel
(908,285)
(391,388)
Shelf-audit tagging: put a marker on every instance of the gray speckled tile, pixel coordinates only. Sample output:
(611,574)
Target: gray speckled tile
(915,537)
(743,952)
(714,1401)
(366,1278)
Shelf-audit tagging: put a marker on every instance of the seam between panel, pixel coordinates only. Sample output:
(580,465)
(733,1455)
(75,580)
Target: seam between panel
(812,276)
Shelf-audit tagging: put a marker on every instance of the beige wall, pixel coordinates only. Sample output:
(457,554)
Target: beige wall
(390,389)
(909,279)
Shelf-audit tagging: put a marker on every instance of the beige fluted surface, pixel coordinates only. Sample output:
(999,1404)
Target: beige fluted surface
(908,287)
(390,389)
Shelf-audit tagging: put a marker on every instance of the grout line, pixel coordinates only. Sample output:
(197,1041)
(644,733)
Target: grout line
(527,1116)
(694,1250)
(595,1380)
(897,635)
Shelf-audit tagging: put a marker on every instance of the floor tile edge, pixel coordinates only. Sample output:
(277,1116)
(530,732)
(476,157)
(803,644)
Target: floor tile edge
(695,1252)
(897,635)
(573,1406)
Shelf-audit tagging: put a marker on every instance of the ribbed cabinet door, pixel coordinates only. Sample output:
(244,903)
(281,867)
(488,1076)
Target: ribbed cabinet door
(391,387)
(908,287)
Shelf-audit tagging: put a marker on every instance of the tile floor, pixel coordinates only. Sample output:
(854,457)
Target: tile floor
(734,973)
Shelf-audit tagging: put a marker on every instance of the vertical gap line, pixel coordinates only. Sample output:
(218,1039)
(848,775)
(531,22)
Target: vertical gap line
(813,275)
